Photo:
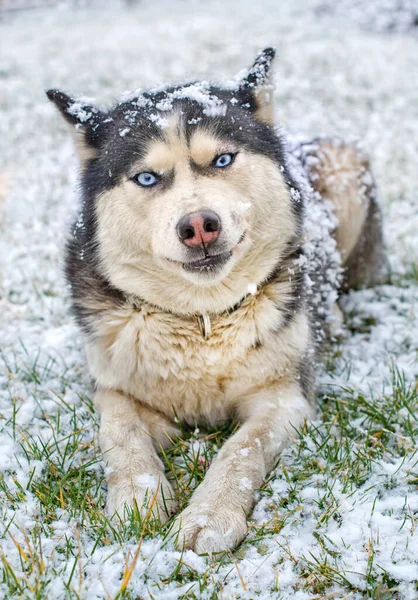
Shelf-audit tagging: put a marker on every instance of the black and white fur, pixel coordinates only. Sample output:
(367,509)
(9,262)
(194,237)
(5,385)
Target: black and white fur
(207,332)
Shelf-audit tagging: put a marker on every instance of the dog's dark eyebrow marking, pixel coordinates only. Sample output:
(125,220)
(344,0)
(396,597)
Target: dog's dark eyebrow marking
(180,127)
(208,170)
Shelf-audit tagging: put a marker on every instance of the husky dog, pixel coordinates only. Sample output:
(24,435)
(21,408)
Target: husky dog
(204,267)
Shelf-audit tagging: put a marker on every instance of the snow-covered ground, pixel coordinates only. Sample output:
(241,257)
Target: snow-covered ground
(331,77)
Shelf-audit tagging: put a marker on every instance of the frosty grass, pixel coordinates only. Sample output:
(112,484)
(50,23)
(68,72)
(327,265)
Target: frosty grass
(338,516)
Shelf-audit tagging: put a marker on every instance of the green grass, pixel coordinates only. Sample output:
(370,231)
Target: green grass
(66,481)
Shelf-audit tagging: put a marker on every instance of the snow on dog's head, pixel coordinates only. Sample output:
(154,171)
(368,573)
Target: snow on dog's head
(187,197)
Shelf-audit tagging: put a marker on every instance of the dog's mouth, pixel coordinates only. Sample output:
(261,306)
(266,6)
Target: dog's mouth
(209,263)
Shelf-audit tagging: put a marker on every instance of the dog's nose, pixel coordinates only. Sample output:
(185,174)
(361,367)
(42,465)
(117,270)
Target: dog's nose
(199,228)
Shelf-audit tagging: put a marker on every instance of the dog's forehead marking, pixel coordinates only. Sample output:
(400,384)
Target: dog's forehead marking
(203,147)
(177,151)
(159,157)
(164,154)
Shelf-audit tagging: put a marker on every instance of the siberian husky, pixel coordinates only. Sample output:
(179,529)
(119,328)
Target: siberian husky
(205,267)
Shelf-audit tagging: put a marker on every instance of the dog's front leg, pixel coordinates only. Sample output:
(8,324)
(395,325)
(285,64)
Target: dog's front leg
(128,432)
(216,517)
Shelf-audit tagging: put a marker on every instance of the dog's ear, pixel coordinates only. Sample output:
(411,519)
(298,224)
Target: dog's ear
(86,120)
(259,82)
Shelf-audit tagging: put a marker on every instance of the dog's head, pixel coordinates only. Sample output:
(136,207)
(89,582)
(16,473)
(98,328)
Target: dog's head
(188,188)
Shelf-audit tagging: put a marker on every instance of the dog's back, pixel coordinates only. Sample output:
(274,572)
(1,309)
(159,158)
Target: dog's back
(340,173)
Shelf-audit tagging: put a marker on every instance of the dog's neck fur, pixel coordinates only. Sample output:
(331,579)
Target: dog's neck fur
(204,320)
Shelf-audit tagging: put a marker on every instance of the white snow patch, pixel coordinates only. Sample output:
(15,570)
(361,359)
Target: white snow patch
(324,66)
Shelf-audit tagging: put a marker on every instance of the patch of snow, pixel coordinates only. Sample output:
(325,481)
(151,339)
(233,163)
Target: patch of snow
(325,85)
(245,484)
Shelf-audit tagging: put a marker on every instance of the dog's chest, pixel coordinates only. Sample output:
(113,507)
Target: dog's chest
(164,361)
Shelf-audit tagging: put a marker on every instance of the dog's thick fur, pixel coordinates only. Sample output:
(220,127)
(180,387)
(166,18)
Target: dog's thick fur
(237,338)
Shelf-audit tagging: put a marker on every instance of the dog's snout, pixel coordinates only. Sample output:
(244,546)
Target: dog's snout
(199,228)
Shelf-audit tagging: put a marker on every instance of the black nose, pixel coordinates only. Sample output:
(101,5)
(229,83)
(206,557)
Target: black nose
(199,228)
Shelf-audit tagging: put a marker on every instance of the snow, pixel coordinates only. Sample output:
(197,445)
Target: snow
(148,481)
(393,15)
(78,110)
(245,484)
(331,77)
(252,289)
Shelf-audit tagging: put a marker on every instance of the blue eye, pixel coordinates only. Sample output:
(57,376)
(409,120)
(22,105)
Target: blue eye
(223,160)
(146,179)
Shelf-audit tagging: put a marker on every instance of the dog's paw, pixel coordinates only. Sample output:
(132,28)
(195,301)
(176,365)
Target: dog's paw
(206,530)
(147,491)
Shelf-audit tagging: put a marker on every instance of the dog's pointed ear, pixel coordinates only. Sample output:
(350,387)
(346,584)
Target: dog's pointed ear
(259,81)
(86,120)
